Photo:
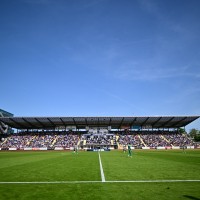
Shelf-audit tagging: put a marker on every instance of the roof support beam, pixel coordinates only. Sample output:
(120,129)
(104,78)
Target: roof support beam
(19,124)
(110,121)
(156,121)
(74,121)
(164,124)
(121,123)
(51,122)
(131,124)
(40,122)
(145,121)
(32,126)
(174,124)
(62,121)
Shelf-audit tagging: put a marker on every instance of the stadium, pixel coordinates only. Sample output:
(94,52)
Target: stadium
(87,158)
(90,133)
(100,100)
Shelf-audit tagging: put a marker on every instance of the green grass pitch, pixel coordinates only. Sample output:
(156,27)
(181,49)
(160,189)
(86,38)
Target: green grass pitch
(61,175)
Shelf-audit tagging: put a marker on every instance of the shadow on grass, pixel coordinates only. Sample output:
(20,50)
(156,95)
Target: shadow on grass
(191,197)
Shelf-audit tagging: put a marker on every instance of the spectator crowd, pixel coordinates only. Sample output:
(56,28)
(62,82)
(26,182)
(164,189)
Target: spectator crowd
(70,139)
(39,140)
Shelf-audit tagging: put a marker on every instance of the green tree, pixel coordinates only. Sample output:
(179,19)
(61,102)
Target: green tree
(197,138)
(194,133)
(181,130)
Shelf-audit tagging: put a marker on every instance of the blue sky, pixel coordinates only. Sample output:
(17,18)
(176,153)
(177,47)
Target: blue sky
(100,57)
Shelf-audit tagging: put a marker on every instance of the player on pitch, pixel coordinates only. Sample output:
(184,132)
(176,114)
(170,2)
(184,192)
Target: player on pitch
(76,149)
(129,150)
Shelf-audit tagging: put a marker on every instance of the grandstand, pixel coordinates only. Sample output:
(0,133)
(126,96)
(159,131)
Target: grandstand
(91,133)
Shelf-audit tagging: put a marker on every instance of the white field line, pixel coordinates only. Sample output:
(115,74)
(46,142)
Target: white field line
(153,181)
(79,182)
(101,169)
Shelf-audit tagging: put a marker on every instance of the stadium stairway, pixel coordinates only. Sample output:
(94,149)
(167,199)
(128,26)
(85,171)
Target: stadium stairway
(117,137)
(118,145)
(4,141)
(164,138)
(28,142)
(78,143)
(55,140)
(141,140)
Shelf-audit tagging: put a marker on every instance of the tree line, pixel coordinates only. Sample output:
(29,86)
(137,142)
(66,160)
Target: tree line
(194,133)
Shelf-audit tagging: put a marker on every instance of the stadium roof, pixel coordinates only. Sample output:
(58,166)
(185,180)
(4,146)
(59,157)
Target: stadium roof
(82,122)
(5,113)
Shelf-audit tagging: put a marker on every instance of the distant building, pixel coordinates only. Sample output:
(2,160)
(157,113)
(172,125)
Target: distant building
(3,127)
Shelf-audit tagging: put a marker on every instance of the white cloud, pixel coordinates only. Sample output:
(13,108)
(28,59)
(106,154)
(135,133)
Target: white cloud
(138,71)
(125,102)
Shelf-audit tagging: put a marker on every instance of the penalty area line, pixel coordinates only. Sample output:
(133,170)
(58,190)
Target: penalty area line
(82,182)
